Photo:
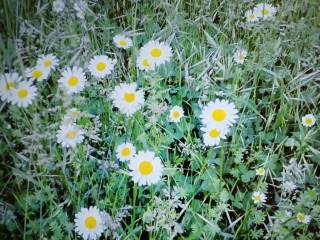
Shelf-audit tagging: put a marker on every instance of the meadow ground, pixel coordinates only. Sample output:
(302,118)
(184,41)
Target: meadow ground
(160,119)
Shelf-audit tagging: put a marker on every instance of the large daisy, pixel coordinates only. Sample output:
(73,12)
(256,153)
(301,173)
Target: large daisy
(73,80)
(146,168)
(69,135)
(8,82)
(176,113)
(127,98)
(144,63)
(38,73)
(219,113)
(89,223)
(308,120)
(49,61)
(125,151)
(122,41)
(265,10)
(157,52)
(212,135)
(23,94)
(101,66)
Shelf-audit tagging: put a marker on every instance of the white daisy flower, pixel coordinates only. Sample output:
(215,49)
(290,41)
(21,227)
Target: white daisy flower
(240,55)
(251,16)
(127,98)
(101,66)
(259,197)
(144,64)
(176,113)
(125,151)
(219,113)
(89,223)
(265,10)
(23,94)
(73,80)
(122,41)
(146,168)
(260,171)
(8,82)
(72,115)
(38,73)
(302,218)
(69,135)
(212,135)
(308,120)
(157,52)
(49,61)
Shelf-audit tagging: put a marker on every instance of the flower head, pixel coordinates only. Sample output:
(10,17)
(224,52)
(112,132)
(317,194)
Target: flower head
(122,41)
(23,94)
(265,10)
(38,73)
(308,120)
(240,55)
(259,197)
(69,135)
(73,80)
(213,134)
(176,113)
(260,171)
(156,52)
(101,66)
(48,61)
(144,63)
(251,16)
(302,218)
(125,151)
(8,82)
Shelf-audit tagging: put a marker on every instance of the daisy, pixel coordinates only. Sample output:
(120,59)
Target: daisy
(8,82)
(240,55)
(125,151)
(23,94)
(259,197)
(101,65)
(89,223)
(308,120)
(265,10)
(144,64)
(72,115)
(251,16)
(122,41)
(157,52)
(146,168)
(38,73)
(58,6)
(260,172)
(213,135)
(73,80)
(176,113)
(219,113)
(301,217)
(127,98)
(69,135)
(49,61)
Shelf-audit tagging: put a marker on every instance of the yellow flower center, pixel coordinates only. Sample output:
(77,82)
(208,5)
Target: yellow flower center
(37,73)
(145,168)
(258,198)
(129,97)
(145,63)
(241,57)
(125,152)
(101,66)
(265,12)
(214,133)
(73,81)
(261,171)
(156,52)
(71,134)
(47,62)
(122,43)
(10,85)
(309,121)
(252,16)
(22,93)
(300,217)
(90,222)
(175,114)
(218,114)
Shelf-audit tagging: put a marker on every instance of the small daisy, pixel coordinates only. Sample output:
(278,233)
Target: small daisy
(259,197)
(260,172)
(176,113)
(240,55)
(23,94)
(49,61)
(8,82)
(301,217)
(125,151)
(144,64)
(251,16)
(122,41)
(146,168)
(101,66)
(265,11)
(308,120)
(213,135)
(38,73)
(127,98)
(72,115)
(69,135)
(89,223)
(157,52)
(73,80)
(219,113)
